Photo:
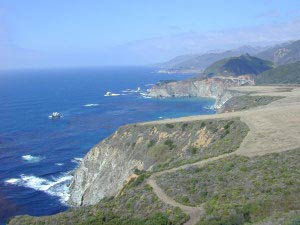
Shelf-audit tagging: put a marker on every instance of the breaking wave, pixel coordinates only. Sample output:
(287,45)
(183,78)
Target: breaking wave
(55,187)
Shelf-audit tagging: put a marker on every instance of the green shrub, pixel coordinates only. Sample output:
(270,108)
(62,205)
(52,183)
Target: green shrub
(184,126)
(295,221)
(170,144)
(228,124)
(151,143)
(193,150)
(168,125)
(139,180)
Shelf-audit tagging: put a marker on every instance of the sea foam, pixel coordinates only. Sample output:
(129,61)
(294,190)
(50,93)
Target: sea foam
(31,158)
(57,186)
(91,105)
(77,160)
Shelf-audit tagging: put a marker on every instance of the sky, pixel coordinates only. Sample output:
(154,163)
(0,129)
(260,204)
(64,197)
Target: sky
(82,33)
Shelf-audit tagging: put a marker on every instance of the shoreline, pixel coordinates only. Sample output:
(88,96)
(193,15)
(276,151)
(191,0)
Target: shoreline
(271,130)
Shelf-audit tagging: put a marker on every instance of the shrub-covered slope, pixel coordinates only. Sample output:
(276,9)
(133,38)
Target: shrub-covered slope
(243,102)
(135,205)
(285,74)
(238,190)
(236,66)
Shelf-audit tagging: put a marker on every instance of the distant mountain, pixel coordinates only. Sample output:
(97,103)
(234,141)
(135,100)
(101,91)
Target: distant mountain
(198,62)
(241,65)
(282,54)
(285,74)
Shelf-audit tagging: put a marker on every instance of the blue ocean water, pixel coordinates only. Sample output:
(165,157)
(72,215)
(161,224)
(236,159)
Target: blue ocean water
(37,154)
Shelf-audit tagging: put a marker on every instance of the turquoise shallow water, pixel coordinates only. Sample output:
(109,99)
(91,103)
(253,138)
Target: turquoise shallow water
(37,154)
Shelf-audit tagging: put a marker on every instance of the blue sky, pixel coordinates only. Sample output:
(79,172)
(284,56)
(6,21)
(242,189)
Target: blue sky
(62,33)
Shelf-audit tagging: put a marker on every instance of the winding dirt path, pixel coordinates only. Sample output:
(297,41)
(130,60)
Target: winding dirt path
(273,128)
(194,213)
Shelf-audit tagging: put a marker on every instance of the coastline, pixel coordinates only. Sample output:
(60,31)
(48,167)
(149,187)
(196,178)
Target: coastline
(42,161)
(167,71)
(107,148)
(271,130)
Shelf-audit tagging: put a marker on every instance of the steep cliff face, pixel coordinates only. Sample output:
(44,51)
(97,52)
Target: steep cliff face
(149,147)
(105,168)
(216,87)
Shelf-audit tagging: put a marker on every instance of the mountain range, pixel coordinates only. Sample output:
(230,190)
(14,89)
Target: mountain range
(198,62)
(280,54)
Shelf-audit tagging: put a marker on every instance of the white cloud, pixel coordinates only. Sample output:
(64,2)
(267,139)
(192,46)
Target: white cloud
(151,50)
(162,48)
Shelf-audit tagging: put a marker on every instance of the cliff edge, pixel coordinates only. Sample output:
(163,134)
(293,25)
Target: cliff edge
(217,87)
(142,147)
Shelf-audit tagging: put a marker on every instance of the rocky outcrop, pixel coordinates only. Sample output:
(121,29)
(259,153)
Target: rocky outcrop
(216,87)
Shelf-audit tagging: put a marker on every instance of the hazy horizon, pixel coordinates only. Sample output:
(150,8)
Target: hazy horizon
(95,34)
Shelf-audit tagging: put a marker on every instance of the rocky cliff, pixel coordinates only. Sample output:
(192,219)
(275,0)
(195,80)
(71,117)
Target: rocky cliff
(149,147)
(216,87)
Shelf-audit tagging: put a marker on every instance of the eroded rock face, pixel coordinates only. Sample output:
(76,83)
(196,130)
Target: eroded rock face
(216,87)
(103,170)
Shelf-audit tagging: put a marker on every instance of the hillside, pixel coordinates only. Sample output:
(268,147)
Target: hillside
(198,62)
(285,74)
(282,54)
(235,66)
(149,147)
(231,185)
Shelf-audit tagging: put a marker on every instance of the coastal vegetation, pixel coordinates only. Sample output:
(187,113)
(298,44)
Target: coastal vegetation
(169,145)
(188,142)
(285,74)
(243,102)
(136,204)
(240,190)
(241,65)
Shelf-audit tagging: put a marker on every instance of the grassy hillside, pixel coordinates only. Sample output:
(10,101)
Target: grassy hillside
(239,190)
(282,54)
(285,74)
(236,66)
(244,102)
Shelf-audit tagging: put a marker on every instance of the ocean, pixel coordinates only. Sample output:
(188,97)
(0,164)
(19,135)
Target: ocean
(38,154)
